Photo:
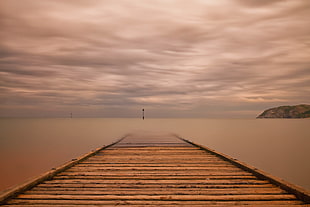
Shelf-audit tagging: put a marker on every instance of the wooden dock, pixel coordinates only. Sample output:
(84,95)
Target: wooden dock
(155,170)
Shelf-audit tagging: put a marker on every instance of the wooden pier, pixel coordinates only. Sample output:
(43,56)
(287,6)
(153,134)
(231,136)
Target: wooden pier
(152,171)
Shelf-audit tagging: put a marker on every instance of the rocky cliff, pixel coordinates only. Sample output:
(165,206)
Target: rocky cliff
(298,111)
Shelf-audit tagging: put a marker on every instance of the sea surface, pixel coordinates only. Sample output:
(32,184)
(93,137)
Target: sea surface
(30,147)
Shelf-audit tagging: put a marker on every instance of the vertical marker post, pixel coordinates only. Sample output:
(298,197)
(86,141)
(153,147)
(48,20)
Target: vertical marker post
(143,114)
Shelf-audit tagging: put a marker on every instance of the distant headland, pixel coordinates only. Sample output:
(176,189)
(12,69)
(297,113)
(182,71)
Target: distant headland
(298,111)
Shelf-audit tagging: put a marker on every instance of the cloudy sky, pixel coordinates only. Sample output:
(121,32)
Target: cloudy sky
(175,58)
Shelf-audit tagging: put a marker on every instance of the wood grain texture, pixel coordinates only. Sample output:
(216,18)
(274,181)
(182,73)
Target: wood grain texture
(153,170)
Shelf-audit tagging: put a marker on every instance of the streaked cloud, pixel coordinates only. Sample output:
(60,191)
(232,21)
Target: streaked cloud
(175,58)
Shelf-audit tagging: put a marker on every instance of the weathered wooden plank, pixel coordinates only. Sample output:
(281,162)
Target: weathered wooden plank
(167,198)
(161,173)
(166,205)
(137,185)
(159,181)
(150,159)
(210,164)
(153,191)
(214,171)
(144,159)
(166,161)
(138,177)
(98,164)
(167,165)
(156,156)
(167,157)
(150,168)
(159,161)
(150,152)
(163,159)
(152,202)
(159,157)
(178,158)
(151,144)
(174,150)
(205,167)
(154,150)
(142,149)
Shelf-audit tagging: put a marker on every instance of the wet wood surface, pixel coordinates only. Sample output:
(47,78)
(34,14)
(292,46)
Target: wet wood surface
(154,170)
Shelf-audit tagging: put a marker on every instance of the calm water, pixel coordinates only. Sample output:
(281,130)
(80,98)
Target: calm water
(29,147)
